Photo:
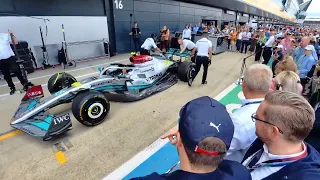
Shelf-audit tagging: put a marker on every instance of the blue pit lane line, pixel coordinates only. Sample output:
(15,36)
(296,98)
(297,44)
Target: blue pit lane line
(165,157)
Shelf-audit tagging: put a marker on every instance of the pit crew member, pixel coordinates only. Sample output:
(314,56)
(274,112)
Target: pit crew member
(148,44)
(204,56)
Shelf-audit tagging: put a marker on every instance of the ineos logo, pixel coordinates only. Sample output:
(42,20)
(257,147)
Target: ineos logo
(35,93)
(61,119)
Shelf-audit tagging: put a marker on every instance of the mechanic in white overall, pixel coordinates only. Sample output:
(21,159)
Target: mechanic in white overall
(186,44)
(8,60)
(204,56)
(148,44)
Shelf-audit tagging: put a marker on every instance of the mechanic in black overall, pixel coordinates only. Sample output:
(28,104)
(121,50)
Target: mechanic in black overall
(204,56)
(148,44)
(186,44)
(8,61)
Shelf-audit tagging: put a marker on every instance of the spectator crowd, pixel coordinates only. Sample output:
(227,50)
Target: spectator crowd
(275,134)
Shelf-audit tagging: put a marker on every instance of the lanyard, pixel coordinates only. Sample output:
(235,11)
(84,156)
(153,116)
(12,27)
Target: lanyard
(273,163)
(249,103)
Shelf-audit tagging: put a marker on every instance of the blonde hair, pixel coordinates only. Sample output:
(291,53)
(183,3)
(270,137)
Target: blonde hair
(288,81)
(261,35)
(292,113)
(288,65)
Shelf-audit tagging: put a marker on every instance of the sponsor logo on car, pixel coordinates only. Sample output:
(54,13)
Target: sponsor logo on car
(147,70)
(101,83)
(155,76)
(60,92)
(61,119)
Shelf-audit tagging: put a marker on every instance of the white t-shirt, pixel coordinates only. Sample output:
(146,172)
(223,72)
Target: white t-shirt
(203,46)
(149,44)
(186,33)
(190,45)
(270,42)
(5,49)
(262,172)
(246,35)
(240,36)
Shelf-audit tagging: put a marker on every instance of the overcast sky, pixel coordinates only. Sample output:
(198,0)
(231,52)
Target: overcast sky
(313,10)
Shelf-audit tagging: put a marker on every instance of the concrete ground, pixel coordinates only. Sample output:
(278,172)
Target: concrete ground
(92,153)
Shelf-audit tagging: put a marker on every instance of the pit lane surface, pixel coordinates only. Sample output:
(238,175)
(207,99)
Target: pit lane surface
(92,153)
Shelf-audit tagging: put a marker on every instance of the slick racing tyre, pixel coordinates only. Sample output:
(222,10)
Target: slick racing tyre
(185,70)
(90,108)
(59,81)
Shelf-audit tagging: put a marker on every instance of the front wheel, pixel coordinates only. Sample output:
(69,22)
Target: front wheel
(60,81)
(185,71)
(90,108)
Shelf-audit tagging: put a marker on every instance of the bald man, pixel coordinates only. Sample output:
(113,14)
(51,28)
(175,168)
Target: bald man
(299,51)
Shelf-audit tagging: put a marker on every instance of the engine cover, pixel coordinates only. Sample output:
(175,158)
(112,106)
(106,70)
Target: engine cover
(140,59)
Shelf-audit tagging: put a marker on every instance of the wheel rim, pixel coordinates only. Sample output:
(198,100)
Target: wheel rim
(191,70)
(95,110)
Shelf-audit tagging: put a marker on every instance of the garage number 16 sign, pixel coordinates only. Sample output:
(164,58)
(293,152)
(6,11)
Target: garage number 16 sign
(118,4)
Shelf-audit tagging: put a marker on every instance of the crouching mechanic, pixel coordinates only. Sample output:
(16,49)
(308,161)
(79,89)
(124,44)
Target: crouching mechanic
(8,61)
(204,56)
(186,44)
(202,139)
(148,44)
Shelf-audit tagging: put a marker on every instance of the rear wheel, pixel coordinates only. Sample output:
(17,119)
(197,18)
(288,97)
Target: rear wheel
(90,108)
(185,71)
(59,81)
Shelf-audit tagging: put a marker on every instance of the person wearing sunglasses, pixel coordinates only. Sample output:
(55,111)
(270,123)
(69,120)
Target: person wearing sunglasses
(283,120)
(202,139)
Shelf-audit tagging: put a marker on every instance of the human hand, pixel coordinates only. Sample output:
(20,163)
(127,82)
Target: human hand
(10,32)
(171,135)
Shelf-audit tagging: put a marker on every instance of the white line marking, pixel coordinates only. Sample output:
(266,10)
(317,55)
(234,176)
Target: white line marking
(138,159)
(49,75)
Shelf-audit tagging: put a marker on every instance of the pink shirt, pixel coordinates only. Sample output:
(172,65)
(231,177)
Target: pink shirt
(286,45)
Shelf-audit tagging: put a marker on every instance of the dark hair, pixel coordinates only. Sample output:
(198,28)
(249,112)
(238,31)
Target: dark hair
(312,42)
(206,161)
(186,25)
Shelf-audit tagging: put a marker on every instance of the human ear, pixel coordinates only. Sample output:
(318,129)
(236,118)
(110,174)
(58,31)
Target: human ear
(275,131)
(179,142)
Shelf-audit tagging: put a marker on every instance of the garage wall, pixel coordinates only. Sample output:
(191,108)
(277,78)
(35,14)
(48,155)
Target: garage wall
(83,20)
(90,29)
(152,15)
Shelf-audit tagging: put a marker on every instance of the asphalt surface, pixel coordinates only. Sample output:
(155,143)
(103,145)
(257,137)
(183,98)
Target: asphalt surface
(94,152)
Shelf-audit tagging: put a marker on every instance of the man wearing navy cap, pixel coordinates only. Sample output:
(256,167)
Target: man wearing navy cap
(204,136)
